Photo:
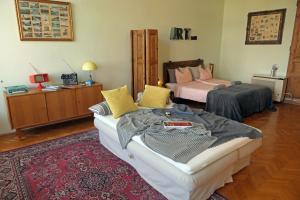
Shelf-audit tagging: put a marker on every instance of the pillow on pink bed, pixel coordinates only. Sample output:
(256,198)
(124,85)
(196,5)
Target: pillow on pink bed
(183,75)
(205,74)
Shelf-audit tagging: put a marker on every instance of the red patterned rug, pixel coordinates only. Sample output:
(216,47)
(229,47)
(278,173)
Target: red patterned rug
(73,167)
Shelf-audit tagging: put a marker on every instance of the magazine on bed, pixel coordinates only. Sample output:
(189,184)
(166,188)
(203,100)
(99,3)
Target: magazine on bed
(177,124)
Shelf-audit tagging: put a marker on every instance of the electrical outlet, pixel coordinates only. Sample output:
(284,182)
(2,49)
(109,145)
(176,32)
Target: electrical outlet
(1,84)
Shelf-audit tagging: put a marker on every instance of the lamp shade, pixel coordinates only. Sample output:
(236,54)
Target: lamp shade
(89,66)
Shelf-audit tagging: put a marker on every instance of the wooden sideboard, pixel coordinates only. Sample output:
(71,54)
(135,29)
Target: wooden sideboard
(37,108)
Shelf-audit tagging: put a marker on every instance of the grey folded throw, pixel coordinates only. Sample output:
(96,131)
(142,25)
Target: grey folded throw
(219,86)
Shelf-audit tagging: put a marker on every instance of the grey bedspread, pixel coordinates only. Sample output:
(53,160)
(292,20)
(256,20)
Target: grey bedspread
(239,101)
(180,145)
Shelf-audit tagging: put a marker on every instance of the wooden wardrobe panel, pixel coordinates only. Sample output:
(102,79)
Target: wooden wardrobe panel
(59,104)
(138,61)
(144,59)
(151,57)
(86,97)
(27,110)
(293,72)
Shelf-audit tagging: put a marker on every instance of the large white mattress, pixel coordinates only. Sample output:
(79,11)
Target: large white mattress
(195,164)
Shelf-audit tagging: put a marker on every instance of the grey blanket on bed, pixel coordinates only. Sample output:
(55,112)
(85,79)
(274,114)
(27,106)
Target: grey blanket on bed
(239,101)
(180,144)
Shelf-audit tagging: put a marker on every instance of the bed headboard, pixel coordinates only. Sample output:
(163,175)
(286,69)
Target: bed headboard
(177,64)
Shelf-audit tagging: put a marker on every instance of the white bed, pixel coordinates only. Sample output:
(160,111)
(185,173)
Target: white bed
(197,179)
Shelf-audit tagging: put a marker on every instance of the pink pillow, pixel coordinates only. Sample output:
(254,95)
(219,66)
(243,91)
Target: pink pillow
(184,75)
(205,74)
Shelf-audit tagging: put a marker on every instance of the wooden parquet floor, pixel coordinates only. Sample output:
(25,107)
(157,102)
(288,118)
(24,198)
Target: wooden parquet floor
(274,173)
(41,134)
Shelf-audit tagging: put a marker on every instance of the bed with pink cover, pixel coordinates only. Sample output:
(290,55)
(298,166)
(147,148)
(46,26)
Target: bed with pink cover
(196,90)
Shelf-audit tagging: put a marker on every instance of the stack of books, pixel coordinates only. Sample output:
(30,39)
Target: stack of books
(51,87)
(16,89)
(177,124)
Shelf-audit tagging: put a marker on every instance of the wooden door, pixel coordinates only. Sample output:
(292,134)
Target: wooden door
(138,61)
(293,73)
(27,110)
(86,97)
(61,104)
(151,57)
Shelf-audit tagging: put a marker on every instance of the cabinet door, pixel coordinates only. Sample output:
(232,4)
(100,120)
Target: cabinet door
(138,61)
(152,57)
(61,104)
(27,110)
(86,97)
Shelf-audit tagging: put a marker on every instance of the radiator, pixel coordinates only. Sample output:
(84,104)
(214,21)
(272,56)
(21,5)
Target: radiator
(276,84)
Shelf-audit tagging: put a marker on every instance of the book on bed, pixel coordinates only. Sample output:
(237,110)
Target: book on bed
(177,124)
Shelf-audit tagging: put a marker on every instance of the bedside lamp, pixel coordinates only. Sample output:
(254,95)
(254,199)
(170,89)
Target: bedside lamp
(160,83)
(89,66)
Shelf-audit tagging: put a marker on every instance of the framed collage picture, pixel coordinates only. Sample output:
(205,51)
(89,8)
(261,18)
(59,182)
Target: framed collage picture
(44,20)
(265,27)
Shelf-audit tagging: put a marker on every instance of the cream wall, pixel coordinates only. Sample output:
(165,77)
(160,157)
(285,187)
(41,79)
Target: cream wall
(102,34)
(239,61)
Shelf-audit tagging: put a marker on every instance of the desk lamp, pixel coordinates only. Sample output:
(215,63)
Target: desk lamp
(89,66)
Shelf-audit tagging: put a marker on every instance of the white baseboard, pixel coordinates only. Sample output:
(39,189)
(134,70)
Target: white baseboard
(294,101)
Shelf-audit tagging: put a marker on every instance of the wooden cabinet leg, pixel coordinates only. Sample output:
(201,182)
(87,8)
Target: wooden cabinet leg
(19,133)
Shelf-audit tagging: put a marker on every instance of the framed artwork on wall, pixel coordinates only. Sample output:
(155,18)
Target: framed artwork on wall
(265,27)
(44,20)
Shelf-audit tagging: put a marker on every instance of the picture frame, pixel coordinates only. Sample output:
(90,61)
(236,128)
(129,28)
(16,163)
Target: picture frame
(265,27)
(44,20)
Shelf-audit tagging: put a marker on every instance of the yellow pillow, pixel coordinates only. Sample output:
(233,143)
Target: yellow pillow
(120,101)
(155,97)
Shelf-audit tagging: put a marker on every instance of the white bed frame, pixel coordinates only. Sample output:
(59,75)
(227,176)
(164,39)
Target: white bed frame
(173,183)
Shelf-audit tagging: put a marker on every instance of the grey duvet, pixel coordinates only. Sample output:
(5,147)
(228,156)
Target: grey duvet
(239,101)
